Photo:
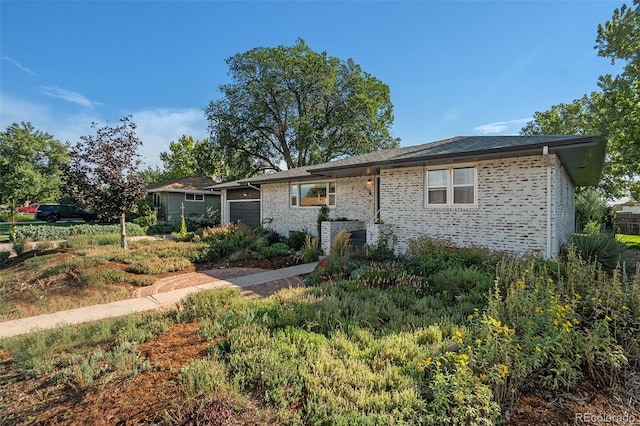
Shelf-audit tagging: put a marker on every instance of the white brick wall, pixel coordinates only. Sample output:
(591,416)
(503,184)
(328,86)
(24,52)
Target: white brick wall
(511,214)
(564,218)
(353,201)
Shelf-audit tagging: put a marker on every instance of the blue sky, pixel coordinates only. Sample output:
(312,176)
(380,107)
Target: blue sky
(453,68)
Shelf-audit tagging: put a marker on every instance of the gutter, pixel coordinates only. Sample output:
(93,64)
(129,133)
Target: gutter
(545,153)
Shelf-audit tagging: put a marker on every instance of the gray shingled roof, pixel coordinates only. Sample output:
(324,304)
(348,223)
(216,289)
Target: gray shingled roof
(190,183)
(582,157)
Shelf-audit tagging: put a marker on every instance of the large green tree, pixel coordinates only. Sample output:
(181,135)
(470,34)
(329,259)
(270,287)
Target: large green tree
(291,106)
(31,164)
(189,157)
(103,172)
(614,111)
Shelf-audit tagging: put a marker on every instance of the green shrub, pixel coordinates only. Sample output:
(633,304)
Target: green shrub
(592,228)
(453,282)
(228,239)
(388,275)
(297,239)
(6,217)
(384,249)
(163,228)
(427,256)
(83,241)
(455,396)
(275,250)
(53,232)
(310,251)
(544,333)
(202,377)
(156,265)
(145,215)
(602,248)
(106,276)
(4,256)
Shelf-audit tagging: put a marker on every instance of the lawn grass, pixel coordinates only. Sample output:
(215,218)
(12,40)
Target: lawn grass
(631,241)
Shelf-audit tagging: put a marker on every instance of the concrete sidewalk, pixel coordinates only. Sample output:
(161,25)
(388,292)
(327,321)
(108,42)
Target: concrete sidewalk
(167,299)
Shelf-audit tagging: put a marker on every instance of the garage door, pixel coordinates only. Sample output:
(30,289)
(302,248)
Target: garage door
(247,212)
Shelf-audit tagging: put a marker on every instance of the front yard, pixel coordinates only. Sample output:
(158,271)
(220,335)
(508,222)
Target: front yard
(86,269)
(441,336)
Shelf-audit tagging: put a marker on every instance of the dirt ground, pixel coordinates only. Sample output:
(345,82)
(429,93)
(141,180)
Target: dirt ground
(151,397)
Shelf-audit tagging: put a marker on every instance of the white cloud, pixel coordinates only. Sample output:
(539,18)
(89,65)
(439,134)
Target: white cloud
(159,126)
(67,95)
(502,127)
(156,126)
(17,64)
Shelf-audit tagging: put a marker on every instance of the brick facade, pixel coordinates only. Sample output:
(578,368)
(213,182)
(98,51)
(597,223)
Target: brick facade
(353,202)
(510,215)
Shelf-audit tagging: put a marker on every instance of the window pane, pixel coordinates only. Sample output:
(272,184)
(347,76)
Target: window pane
(313,194)
(294,195)
(332,199)
(463,176)
(437,196)
(463,195)
(188,197)
(332,187)
(437,178)
(199,197)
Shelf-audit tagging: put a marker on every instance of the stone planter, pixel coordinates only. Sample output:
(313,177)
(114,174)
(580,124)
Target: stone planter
(330,229)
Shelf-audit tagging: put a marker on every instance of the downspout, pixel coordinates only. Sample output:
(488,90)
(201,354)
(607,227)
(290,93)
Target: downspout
(261,203)
(545,152)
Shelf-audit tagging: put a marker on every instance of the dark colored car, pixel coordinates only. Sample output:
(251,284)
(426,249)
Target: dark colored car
(53,212)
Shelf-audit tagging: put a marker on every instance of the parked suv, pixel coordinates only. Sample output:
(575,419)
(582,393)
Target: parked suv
(53,212)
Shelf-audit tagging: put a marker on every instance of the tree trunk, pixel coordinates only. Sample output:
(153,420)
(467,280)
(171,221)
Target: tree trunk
(123,232)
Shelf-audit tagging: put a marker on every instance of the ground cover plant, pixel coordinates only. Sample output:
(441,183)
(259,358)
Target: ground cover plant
(380,342)
(86,266)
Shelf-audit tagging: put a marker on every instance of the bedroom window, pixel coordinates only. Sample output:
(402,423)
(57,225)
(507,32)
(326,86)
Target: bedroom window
(313,194)
(453,186)
(194,197)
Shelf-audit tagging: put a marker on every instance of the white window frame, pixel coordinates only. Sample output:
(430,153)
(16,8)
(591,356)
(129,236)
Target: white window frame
(450,186)
(298,186)
(195,197)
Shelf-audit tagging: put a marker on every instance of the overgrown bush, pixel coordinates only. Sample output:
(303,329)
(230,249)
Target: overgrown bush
(427,256)
(225,240)
(602,248)
(4,256)
(542,333)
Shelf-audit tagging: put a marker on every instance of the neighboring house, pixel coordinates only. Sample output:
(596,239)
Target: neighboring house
(627,219)
(508,193)
(194,193)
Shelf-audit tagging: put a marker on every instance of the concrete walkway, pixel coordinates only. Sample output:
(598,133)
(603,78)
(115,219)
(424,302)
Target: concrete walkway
(164,294)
